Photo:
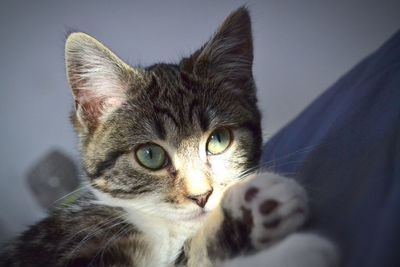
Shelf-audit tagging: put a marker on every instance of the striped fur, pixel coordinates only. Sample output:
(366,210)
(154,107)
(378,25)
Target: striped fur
(132,216)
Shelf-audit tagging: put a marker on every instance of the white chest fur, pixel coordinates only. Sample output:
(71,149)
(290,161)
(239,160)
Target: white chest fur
(164,237)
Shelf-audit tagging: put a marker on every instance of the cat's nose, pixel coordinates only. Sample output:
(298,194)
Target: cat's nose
(201,199)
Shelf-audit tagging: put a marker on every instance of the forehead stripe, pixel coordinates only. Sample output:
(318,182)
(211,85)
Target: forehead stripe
(194,104)
(159,128)
(204,120)
(166,112)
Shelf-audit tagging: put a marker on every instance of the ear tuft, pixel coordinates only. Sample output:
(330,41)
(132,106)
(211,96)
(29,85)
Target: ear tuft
(98,78)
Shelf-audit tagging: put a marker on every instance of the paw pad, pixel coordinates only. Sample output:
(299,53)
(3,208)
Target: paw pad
(250,194)
(272,224)
(268,206)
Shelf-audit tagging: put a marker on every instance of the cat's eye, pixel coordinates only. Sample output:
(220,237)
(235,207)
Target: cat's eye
(219,141)
(151,156)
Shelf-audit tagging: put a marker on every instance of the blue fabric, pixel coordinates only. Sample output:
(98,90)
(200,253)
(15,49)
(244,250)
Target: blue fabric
(345,149)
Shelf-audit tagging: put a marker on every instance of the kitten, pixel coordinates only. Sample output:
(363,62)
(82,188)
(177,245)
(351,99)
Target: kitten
(171,154)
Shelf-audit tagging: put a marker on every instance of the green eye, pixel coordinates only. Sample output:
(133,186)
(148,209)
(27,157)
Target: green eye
(219,141)
(151,156)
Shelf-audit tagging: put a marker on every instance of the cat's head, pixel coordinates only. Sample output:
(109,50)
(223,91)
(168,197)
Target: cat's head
(168,139)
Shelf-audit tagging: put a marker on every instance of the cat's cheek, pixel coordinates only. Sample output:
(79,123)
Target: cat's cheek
(228,167)
(223,172)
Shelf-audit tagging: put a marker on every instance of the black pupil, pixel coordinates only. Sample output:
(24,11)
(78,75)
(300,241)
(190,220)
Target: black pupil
(218,136)
(150,153)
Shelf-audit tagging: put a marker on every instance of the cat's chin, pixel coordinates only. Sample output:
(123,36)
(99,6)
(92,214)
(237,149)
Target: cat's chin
(196,217)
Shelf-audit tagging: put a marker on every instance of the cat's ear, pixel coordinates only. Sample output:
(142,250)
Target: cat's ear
(228,54)
(98,78)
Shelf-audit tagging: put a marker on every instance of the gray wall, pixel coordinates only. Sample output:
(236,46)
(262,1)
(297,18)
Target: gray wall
(301,47)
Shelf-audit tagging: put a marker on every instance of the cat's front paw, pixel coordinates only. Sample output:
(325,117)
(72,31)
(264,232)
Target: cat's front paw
(269,206)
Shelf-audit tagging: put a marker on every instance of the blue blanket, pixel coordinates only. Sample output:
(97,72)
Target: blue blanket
(345,149)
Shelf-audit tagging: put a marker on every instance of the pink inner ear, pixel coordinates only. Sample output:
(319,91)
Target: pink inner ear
(112,102)
(93,107)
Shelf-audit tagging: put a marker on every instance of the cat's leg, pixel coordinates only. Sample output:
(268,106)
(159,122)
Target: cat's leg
(296,250)
(254,214)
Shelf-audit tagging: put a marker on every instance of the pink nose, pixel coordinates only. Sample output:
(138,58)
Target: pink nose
(201,199)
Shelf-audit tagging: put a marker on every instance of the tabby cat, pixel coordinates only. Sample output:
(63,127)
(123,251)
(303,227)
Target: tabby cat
(171,155)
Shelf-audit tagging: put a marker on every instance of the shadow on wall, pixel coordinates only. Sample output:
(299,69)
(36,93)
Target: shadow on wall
(52,178)
(3,231)
(52,181)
